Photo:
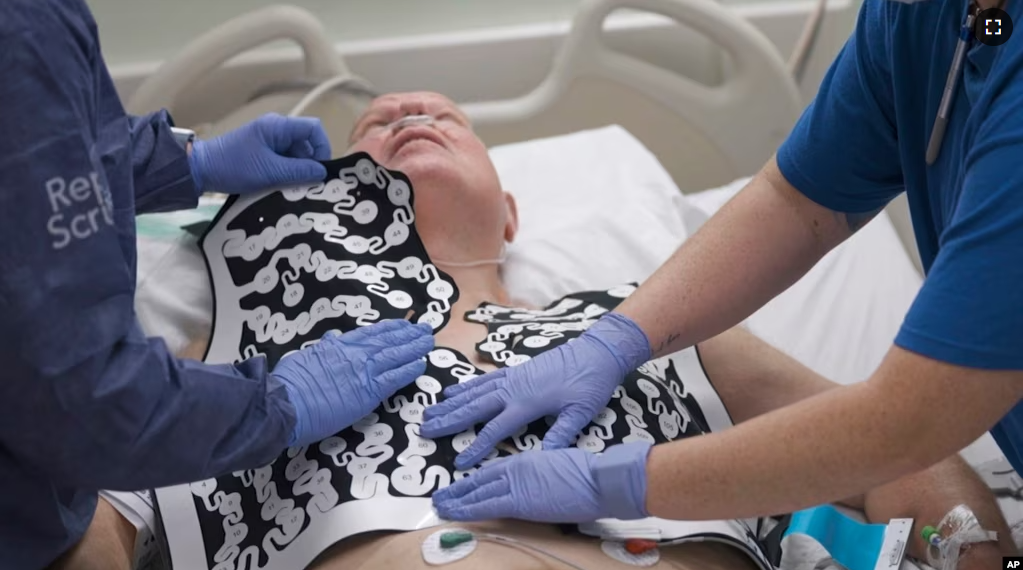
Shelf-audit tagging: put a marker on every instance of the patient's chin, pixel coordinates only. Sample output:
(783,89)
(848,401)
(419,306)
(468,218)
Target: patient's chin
(427,170)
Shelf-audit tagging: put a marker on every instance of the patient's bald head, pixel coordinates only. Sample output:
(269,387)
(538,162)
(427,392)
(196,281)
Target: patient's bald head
(461,211)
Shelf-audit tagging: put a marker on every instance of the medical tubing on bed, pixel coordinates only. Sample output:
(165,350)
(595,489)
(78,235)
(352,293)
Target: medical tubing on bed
(473,263)
(520,544)
(344,83)
(410,120)
(957,531)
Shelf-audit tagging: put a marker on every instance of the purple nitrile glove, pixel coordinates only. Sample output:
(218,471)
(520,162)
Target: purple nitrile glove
(560,486)
(271,152)
(575,381)
(342,378)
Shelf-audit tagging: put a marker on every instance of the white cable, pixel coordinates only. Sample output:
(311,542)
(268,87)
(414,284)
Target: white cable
(326,86)
(476,263)
(518,543)
(807,39)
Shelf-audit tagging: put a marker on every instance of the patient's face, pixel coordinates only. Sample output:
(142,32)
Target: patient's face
(459,201)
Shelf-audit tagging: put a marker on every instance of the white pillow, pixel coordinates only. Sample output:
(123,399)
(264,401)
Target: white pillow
(596,209)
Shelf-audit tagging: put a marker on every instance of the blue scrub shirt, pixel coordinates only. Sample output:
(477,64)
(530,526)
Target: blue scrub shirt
(88,402)
(863,141)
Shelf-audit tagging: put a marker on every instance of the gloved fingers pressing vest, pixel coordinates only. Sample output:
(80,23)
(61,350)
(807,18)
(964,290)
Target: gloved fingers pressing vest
(383,327)
(341,379)
(452,391)
(571,421)
(271,152)
(474,411)
(471,391)
(391,356)
(393,380)
(560,486)
(574,381)
(542,486)
(501,427)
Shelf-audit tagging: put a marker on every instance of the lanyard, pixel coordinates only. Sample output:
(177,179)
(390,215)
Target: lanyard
(951,83)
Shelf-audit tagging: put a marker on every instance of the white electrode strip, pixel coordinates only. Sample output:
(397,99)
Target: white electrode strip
(893,548)
(434,555)
(616,550)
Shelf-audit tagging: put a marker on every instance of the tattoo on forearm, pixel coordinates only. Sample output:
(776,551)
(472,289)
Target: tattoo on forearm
(667,342)
(857,221)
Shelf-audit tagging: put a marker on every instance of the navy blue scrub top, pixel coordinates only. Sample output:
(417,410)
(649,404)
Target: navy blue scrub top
(87,402)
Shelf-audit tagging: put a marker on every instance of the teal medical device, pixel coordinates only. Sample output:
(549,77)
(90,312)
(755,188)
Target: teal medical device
(854,545)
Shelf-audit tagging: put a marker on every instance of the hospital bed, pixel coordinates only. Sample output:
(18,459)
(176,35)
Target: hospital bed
(629,180)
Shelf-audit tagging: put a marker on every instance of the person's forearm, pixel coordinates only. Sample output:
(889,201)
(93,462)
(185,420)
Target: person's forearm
(758,245)
(928,495)
(832,446)
(139,418)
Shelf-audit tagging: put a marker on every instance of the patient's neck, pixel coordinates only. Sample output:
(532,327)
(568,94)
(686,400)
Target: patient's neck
(476,285)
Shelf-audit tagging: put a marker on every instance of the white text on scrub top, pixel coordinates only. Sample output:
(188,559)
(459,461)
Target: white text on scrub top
(80,208)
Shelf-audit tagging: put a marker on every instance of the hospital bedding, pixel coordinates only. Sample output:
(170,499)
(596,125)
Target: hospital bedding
(625,218)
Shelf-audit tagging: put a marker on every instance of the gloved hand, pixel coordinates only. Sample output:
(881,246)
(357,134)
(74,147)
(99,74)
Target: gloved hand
(342,378)
(560,486)
(272,151)
(575,380)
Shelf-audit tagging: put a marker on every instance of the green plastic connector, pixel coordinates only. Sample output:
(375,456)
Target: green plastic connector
(927,532)
(454,538)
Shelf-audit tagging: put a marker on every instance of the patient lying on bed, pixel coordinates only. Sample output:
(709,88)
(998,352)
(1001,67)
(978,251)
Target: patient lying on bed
(464,220)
